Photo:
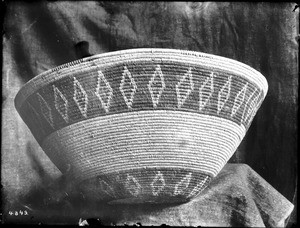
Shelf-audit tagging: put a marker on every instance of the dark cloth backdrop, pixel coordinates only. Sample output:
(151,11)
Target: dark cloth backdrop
(42,35)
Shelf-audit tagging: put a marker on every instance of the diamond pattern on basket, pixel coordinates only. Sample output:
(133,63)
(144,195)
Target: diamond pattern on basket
(184,87)
(199,187)
(239,100)
(127,87)
(182,185)
(107,189)
(255,107)
(223,95)
(80,97)
(103,91)
(61,103)
(45,110)
(156,85)
(158,184)
(248,113)
(236,104)
(206,91)
(132,185)
(37,116)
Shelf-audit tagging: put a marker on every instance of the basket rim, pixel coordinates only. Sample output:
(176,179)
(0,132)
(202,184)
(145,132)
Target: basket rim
(33,84)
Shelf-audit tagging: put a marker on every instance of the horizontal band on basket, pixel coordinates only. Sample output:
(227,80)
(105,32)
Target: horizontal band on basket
(141,86)
(157,139)
(146,54)
(150,184)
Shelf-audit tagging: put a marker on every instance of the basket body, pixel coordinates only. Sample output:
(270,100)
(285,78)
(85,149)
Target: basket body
(142,125)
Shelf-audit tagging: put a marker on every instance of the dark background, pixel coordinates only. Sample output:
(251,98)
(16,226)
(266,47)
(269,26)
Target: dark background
(42,35)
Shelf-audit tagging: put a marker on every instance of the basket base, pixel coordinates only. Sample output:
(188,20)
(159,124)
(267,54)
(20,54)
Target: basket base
(156,200)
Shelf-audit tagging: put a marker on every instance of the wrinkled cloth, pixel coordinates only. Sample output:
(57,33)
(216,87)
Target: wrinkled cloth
(42,35)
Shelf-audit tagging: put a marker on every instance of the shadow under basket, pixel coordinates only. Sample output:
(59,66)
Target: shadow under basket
(142,125)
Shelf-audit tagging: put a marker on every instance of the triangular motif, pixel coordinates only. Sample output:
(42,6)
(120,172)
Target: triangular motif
(61,103)
(198,188)
(132,185)
(184,87)
(206,91)
(158,184)
(37,115)
(239,100)
(45,110)
(80,97)
(250,110)
(223,95)
(107,188)
(182,185)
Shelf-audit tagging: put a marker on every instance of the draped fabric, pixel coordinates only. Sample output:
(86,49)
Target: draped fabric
(42,35)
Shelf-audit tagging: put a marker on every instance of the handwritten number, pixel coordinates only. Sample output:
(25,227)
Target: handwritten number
(17,213)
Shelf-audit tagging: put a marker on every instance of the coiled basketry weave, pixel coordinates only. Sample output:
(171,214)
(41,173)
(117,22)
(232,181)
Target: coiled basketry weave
(142,125)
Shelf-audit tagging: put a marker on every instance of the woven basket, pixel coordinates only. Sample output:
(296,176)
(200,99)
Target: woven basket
(142,125)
